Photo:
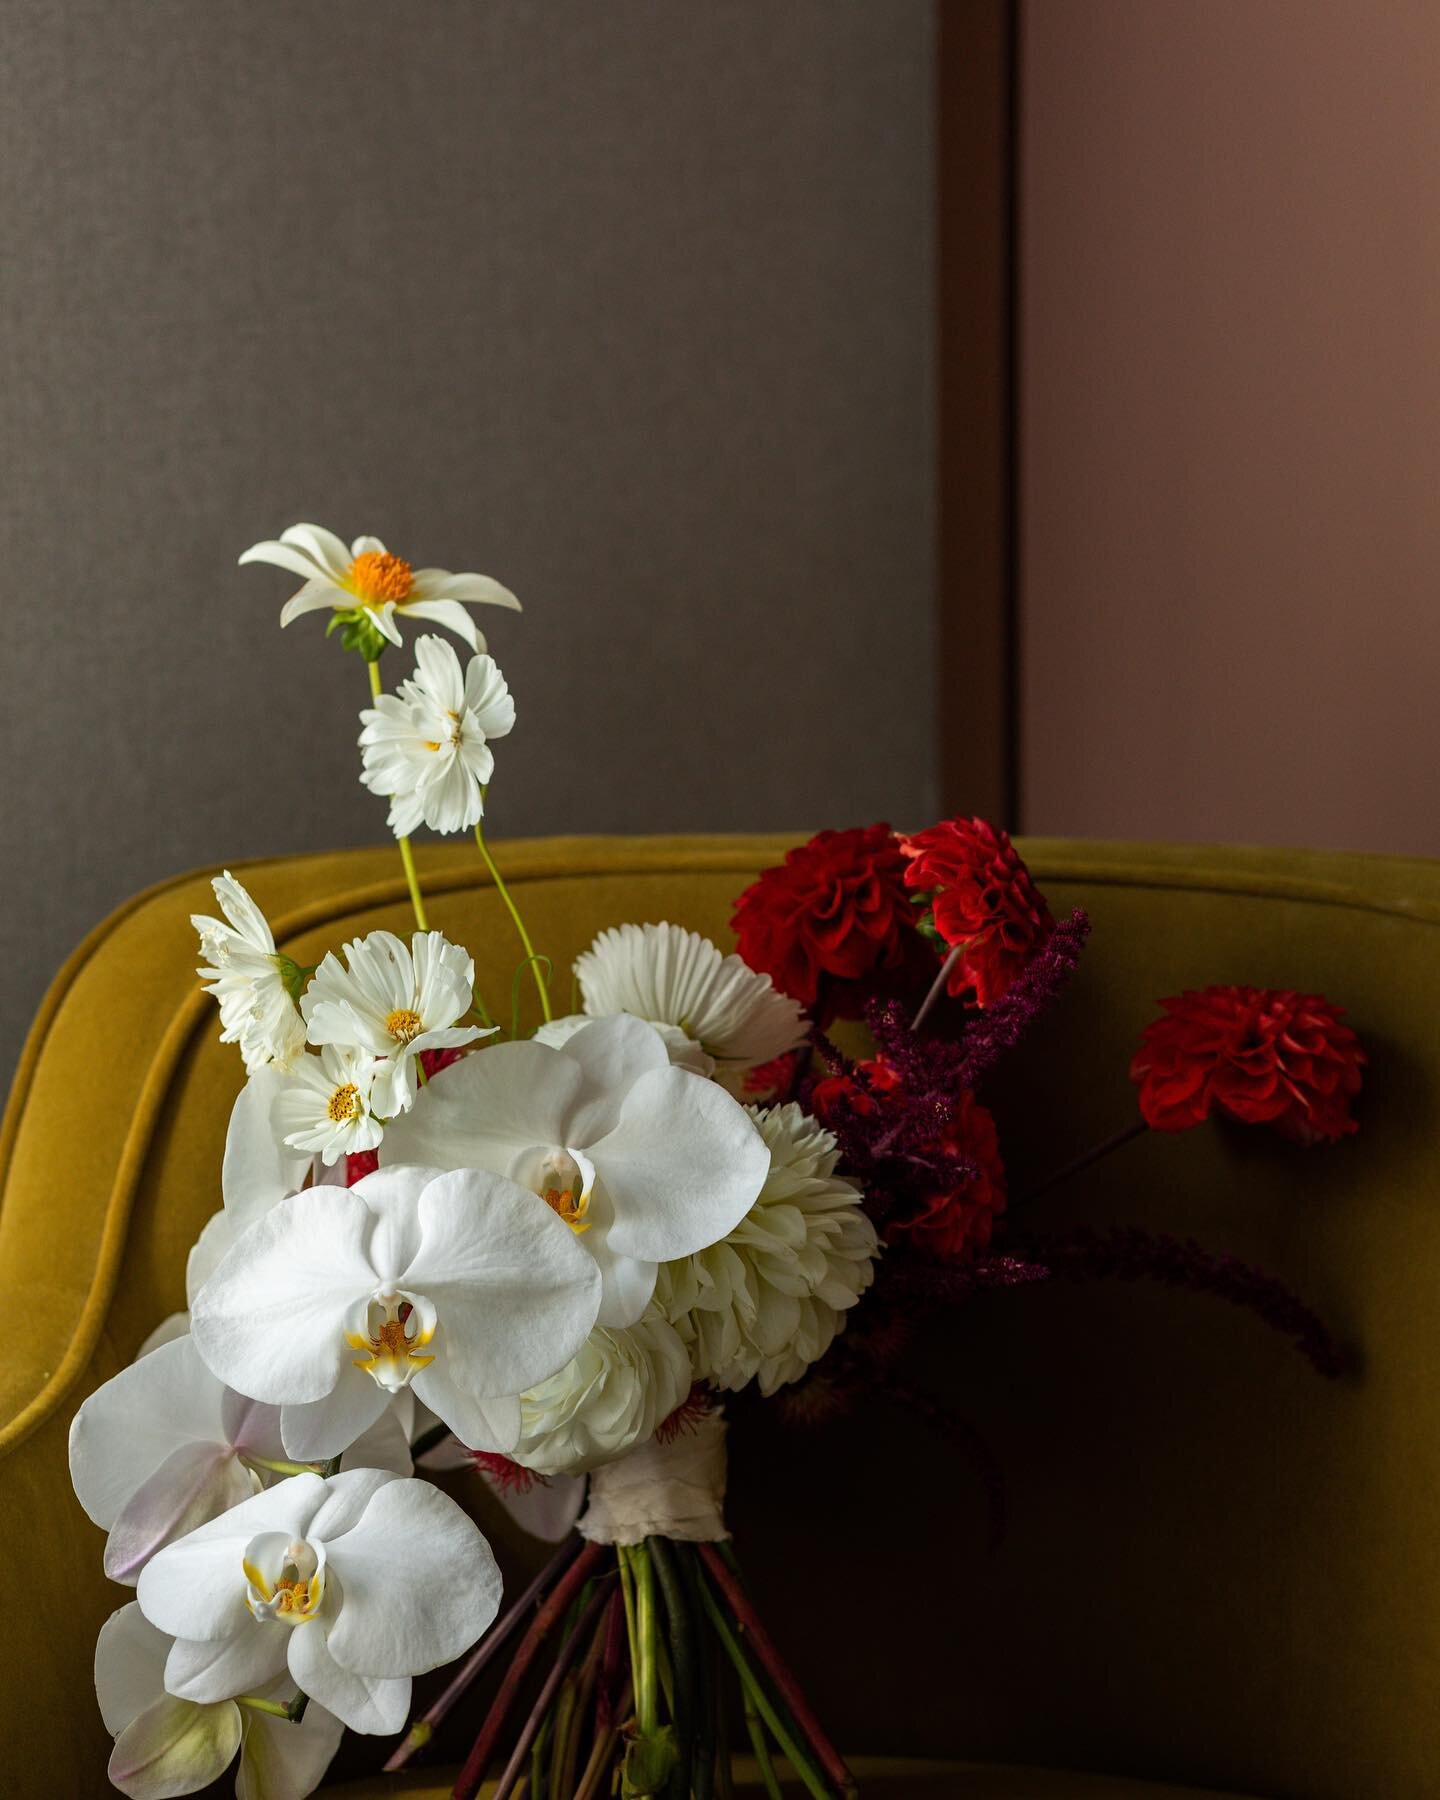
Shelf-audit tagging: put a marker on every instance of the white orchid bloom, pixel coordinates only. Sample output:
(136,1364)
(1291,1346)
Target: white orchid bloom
(246,974)
(426,747)
(165,1445)
(324,1104)
(392,1001)
(258,1171)
(367,579)
(165,1746)
(645,1162)
(354,1584)
(679,979)
(457,1284)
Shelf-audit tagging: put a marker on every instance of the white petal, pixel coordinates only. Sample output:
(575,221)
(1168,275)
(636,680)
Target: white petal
(206,1254)
(383,1445)
(129,1427)
(419,1582)
(364,1703)
(195,1483)
(285,1761)
(258,1170)
(482,1112)
(271,1319)
(548,1510)
(613,1054)
(325,549)
(478,1422)
(315,1430)
(515,1291)
(283,556)
(315,596)
(129,1666)
(219,1669)
(474,590)
(174,1747)
(683,1166)
(346,1499)
(627,1286)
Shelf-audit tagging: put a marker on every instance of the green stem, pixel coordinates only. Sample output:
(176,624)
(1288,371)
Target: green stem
(280,1468)
(293,1710)
(647,1697)
(407,855)
(755,1695)
(541,986)
(759,1746)
(627,1588)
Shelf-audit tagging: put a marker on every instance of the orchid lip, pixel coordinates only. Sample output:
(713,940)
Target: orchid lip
(284,1582)
(391,1327)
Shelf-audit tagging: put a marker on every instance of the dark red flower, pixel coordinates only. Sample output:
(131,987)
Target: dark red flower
(1260,1055)
(930,1161)
(835,909)
(359,1164)
(433,1061)
(984,903)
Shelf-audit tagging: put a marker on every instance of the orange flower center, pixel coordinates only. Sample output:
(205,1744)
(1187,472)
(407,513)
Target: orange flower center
(377,576)
(572,1207)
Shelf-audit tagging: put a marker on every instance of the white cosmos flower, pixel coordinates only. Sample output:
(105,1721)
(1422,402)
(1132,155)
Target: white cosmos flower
(608,1397)
(165,1445)
(392,1002)
(166,1746)
(368,579)
(767,1302)
(426,747)
(245,974)
(324,1104)
(459,1284)
(646,1162)
(354,1584)
(677,978)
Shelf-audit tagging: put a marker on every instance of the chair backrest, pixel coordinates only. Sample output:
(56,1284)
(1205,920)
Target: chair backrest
(1218,1567)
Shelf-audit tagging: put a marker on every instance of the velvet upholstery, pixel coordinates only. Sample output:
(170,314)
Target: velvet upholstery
(1219,1569)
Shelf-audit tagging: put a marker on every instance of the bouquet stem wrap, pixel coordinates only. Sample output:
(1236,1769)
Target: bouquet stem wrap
(673,1490)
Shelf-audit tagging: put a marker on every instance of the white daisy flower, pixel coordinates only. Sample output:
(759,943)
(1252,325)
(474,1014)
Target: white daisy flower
(768,1301)
(673,977)
(325,1104)
(393,1002)
(427,746)
(246,974)
(611,1395)
(368,581)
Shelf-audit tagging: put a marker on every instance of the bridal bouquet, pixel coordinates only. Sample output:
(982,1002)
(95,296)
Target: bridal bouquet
(551,1252)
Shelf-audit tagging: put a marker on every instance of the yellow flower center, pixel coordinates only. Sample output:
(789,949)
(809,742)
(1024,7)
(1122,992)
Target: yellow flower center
(404,1024)
(295,1594)
(572,1207)
(377,576)
(345,1104)
(392,1359)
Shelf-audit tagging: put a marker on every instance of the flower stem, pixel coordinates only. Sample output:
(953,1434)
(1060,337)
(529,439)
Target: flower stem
(549,1615)
(407,855)
(423,1730)
(647,1696)
(758,1744)
(720,1561)
(755,1694)
(539,1715)
(682,1657)
(937,987)
(541,986)
(1094,1154)
(272,1467)
(293,1710)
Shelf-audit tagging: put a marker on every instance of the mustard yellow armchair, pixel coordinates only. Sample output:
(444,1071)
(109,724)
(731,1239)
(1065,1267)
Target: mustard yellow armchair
(1220,1570)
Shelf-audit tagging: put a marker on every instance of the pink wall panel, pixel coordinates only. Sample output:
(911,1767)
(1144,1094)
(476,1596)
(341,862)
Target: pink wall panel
(1230,479)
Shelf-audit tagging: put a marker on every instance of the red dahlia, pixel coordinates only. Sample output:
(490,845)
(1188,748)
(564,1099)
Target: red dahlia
(835,908)
(985,903)
(1260,1055)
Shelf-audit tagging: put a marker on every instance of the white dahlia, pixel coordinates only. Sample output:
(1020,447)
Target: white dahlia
(610,1396)
(766,1302)
(670,976)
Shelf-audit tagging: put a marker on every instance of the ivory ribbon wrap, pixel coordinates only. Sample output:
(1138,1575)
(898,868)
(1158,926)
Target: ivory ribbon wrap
(674,1490)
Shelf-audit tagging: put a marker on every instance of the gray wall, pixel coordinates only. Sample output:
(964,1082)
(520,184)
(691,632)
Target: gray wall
(627,304)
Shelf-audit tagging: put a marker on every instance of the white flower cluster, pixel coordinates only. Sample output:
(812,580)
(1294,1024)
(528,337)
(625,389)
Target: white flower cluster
(563,1237)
